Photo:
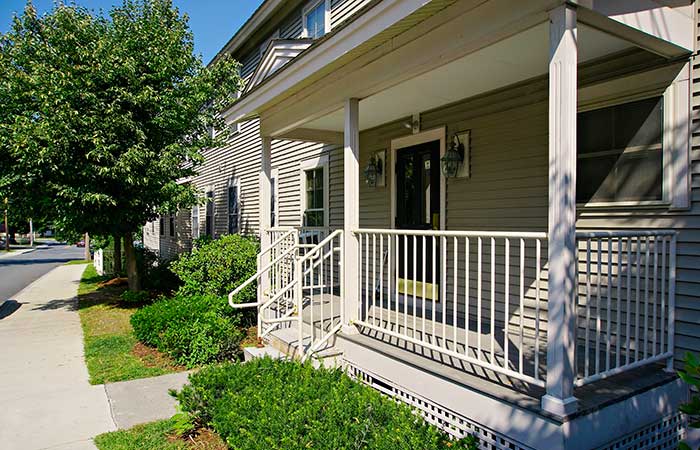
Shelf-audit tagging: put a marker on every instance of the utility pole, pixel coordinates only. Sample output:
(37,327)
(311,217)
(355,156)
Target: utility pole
(7,229)
(31,233)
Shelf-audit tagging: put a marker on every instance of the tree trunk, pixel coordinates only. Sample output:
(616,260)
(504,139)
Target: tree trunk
(131,269)
(7,230)
(87,247)
(117,254)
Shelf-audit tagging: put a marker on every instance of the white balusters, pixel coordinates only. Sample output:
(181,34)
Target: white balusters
(431,282)
(418,288)
(637,286)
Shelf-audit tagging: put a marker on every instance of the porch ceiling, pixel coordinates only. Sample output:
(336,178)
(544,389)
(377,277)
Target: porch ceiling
(520,57)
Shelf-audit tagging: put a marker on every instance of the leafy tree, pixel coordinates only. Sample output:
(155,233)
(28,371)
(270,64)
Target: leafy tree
(104,115)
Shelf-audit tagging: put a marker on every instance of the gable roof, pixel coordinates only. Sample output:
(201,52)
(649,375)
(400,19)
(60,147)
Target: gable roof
(278,53)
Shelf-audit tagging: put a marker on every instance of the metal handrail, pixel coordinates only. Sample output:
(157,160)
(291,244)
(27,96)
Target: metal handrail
(318,247)
(250,280)
(275,243)
(623,233)
(453,233)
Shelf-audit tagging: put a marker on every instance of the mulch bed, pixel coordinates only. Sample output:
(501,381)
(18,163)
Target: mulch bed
(151,357)
(203,439)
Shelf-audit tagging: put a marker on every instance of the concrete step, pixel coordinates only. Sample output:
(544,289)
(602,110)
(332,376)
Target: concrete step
(250,353)
(286,340)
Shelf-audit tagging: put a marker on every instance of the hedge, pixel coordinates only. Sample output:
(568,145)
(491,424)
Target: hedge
(193,330)
(267,403)
(218,267)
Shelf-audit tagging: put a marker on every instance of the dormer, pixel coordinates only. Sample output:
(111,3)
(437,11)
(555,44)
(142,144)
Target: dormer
(278,53)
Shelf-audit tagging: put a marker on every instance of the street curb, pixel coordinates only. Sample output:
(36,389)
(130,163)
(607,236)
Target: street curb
(18,252)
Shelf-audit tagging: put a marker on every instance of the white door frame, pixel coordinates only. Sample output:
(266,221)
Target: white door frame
(435,134)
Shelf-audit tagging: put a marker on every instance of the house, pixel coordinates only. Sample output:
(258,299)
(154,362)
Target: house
(486,209)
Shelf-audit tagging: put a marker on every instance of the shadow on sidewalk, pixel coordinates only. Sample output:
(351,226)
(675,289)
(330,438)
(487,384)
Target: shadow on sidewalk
(9,307)
(69,304)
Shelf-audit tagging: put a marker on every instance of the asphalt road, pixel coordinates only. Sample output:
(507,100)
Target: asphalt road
(18,271)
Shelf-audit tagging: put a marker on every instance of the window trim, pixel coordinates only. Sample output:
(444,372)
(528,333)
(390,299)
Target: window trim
(233,182)
(327,17)
(320,162)
(676,110)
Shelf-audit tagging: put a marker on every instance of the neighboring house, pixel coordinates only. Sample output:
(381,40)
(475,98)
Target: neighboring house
(485,209)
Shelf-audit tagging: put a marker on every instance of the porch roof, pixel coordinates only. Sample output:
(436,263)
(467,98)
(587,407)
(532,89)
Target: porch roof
(402,47)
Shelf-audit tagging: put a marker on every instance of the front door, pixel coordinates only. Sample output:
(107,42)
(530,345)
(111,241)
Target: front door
(418,208)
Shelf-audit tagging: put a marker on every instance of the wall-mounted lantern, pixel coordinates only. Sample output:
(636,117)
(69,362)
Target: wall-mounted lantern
(455,162)
(374,172)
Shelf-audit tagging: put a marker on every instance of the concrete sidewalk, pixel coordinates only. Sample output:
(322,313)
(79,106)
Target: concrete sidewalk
(47,401)
(44,390)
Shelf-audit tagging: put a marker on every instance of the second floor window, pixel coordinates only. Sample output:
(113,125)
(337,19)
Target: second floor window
(172,225)
(161,225)
(315,20)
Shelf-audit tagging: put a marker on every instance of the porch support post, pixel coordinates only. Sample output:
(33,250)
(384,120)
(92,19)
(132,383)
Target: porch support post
(561,325)
(351,214)
(265,206)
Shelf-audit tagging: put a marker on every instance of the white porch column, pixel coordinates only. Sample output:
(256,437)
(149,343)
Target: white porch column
(265,190)
(561,325)
(265,206)
(351,214)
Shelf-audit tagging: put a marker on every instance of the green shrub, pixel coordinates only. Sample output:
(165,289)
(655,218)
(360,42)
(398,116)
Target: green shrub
(193,330)
(155,272)
(218,267)
(277,404)
(691,375)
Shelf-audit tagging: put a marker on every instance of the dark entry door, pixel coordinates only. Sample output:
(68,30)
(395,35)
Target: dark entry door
(418,208)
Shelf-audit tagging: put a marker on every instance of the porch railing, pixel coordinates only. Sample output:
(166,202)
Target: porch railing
(320,293)
(482,297)
(299,281)
(626,301)
(475,296)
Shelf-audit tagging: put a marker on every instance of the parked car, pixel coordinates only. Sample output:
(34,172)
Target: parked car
(80,244)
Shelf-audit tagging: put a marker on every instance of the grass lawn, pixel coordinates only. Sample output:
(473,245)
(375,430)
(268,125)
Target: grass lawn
(77,261)
(112,352)
(157,436)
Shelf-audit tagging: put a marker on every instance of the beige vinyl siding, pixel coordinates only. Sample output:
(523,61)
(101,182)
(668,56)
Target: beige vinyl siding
(341,10)
(166,246)
(508,191)
(286,158)
(291,27)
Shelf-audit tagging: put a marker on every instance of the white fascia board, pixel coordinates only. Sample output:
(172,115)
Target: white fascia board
(380,17)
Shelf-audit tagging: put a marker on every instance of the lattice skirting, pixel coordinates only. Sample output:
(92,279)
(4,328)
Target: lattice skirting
(662,435)
(451,422)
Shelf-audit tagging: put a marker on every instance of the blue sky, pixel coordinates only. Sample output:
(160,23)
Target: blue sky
(212,21)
